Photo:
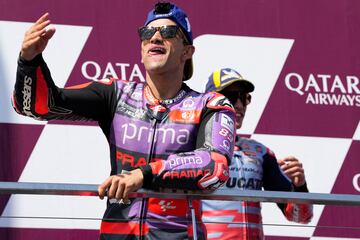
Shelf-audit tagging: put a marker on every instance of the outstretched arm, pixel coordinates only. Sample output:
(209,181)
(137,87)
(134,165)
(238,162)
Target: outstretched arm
(35,93)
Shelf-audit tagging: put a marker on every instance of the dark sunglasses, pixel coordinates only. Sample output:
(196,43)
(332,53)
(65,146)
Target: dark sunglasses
(245,98)
(166,31)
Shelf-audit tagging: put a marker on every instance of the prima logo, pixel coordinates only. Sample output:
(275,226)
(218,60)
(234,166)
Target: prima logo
(178,161)
(325,89)
(163,135)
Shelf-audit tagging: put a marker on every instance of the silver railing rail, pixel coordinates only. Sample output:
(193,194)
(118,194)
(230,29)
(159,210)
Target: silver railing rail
(222,194)
(245,195)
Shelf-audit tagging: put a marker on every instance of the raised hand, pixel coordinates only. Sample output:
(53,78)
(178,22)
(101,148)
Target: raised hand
(36,38)
(293,168)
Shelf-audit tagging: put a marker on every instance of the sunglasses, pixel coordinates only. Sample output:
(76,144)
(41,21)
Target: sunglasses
(166,31)
(245,98)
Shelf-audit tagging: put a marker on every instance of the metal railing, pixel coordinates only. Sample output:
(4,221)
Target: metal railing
(221,194)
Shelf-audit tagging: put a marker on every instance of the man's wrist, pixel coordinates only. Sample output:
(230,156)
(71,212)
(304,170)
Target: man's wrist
(148,176)
(302,188)
(33,62)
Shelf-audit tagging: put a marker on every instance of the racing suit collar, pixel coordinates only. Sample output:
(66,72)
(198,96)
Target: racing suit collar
(154,101)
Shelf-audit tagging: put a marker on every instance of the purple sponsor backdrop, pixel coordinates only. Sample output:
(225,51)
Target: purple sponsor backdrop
(327,37)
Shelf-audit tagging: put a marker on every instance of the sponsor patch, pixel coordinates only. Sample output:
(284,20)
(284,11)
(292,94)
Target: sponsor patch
(185,116)
(227,122)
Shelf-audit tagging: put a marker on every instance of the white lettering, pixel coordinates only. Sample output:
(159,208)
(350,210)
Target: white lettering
(28,80)
(357,101)
(183,138)
(109,71)
(174,162)
(356,182)
(324,79)
(344,100)
(299,85)
(163,135)
(326,89)
(122,69)
(352,82)
(125,135)
(227,122)
(337,84)
(164,132)
(27,96)
(92,70)
(322,98)
(334,99)
(311,99)
(351,99)
(136,73)
(141,133)
(312,83)
(84,70)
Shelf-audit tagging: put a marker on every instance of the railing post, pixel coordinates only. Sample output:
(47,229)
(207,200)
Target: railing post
(193,217)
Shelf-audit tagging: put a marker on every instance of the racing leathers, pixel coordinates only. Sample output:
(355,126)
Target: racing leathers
(253,167)
(181,143)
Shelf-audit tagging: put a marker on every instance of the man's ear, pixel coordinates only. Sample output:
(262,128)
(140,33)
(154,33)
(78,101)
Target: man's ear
(188,52)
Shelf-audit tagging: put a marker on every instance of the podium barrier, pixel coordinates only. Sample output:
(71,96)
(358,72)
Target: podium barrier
(221,194)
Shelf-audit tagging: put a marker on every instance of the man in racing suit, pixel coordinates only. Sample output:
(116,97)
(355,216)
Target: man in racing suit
(161,134)
(253,167)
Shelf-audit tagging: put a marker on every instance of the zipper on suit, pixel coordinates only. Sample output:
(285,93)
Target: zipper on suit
(144,200)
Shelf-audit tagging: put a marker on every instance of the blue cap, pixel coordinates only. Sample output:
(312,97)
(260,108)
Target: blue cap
(173,12)
(222,78)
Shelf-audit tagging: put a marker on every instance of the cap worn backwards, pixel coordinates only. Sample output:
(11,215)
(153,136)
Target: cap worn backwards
(222,78)
(173,12)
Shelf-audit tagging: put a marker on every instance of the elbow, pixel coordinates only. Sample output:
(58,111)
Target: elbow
(219,174)
(15,105)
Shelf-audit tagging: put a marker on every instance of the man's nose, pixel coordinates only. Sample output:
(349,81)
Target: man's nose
(157,38)
(239,105)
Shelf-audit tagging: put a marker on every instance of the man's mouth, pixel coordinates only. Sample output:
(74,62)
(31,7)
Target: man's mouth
(240,115)
(157,51)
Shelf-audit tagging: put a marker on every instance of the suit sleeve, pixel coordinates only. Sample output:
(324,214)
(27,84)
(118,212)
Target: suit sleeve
(276,180)
(36,95)
(300,213)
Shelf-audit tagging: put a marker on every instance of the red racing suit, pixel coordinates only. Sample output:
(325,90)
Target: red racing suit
(180,143)
(253,167)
